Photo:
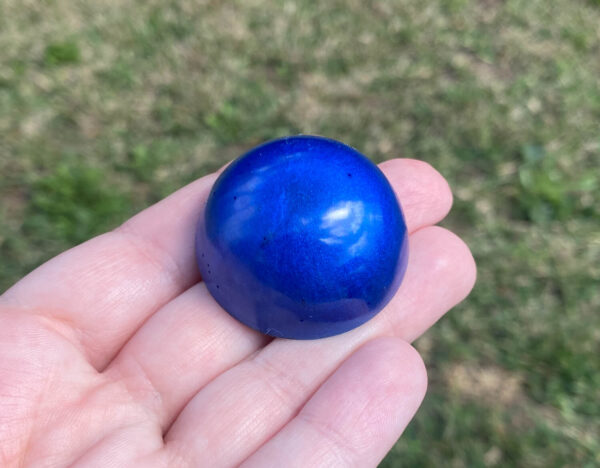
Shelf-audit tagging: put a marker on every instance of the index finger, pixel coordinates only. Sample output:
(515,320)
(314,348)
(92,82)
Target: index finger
(99,293)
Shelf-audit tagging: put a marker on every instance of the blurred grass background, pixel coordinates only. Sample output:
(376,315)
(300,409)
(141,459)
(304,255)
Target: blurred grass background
(108,106)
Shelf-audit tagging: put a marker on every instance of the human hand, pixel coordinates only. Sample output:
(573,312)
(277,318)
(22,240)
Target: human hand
(114,354)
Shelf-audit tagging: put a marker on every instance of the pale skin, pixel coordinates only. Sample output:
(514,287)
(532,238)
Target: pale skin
(113,354)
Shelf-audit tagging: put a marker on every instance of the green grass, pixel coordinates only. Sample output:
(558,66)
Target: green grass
(105,107)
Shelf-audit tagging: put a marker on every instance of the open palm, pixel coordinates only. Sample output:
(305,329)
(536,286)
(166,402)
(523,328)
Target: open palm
(114,353)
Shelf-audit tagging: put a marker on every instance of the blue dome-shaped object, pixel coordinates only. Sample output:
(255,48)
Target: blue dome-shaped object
(302,237)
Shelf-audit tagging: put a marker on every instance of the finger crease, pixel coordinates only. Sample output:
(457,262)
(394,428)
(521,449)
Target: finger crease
(284,385)
(338,445)
(139,386)
(156,255)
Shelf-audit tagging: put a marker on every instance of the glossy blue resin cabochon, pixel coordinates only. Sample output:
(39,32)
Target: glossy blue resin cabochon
(302,238)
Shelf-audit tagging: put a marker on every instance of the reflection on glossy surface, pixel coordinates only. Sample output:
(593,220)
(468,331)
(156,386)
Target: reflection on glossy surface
(302,238)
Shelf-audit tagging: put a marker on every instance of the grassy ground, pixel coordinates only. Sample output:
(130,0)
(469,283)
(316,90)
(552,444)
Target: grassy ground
(107,106)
